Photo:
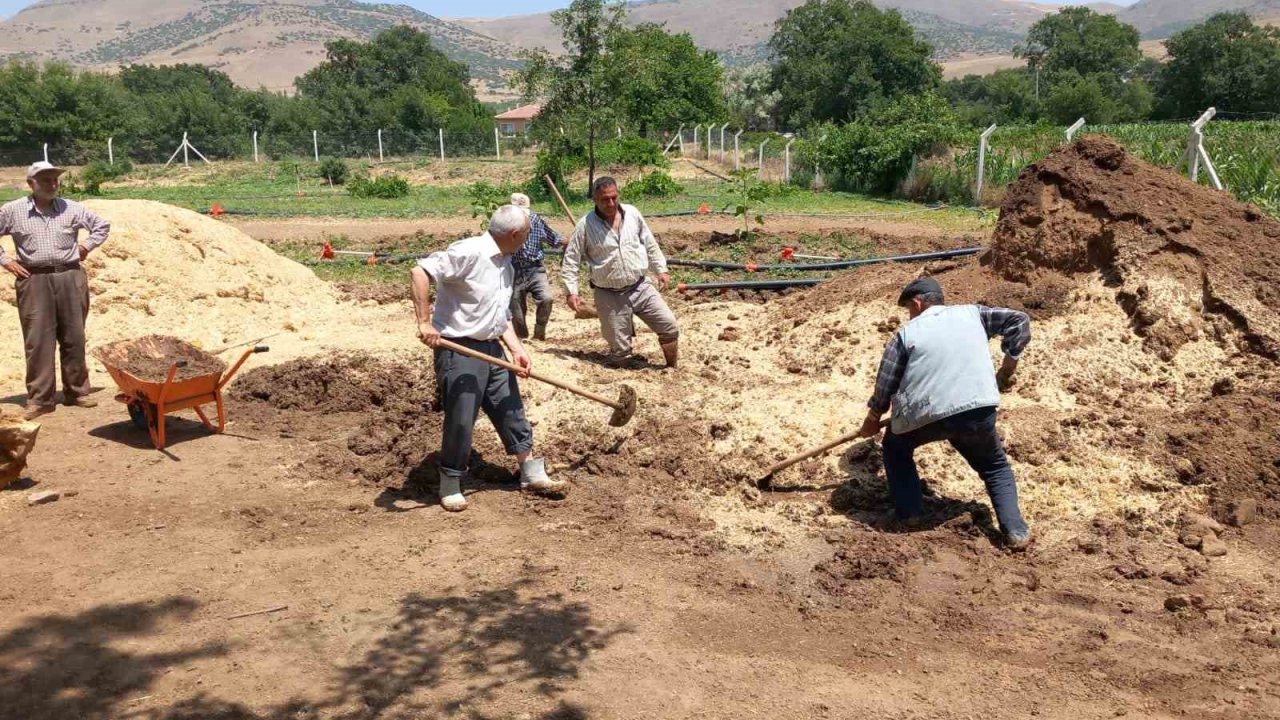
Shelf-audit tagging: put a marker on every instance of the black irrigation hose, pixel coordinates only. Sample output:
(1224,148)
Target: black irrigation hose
(751,284)
(836,265)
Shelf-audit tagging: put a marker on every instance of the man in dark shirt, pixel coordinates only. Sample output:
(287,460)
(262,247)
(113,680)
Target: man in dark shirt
(531,274)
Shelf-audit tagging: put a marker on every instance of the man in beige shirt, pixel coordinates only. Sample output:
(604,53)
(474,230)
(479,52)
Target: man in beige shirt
(53,291)
(618,248)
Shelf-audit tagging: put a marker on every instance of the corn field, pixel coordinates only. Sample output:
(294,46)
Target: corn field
(1245,153)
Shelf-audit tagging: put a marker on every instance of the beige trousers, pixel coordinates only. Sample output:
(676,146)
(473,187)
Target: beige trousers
(618,310)
(52,308)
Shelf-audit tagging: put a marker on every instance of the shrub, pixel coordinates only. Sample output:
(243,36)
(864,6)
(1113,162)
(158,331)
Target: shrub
(97,172)
(655,184)
(334,170)
(387,187)
(630,151)
(485,198)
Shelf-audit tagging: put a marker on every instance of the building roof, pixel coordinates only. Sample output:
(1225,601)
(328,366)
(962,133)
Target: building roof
(524,112)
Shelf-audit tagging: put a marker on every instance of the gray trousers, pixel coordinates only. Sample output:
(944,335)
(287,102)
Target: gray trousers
(619,308)
(530,281)
(52,308)
(467,386)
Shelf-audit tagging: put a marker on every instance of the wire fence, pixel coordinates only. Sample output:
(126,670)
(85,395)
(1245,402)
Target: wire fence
(263,147)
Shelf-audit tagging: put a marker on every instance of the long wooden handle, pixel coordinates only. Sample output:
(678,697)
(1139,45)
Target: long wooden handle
(516,368)
(563,206)
(818,450)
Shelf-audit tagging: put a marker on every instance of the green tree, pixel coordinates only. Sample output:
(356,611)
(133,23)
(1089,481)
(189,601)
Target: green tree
(578,89)
(396,81)
(1226,62)
(832,59)
(1005,96)
(1086,42)
(169,100)
(749,97)
(662,80)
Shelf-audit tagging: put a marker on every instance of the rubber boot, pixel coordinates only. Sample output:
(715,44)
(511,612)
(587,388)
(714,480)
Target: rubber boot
(534,478)
(451,497)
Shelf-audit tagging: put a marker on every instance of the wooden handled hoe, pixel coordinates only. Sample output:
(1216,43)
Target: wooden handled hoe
(623,408)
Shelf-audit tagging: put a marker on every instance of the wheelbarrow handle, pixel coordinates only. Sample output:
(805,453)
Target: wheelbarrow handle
(226,377)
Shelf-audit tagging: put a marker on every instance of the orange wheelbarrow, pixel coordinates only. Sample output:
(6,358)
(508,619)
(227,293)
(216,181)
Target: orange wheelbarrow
(149,401)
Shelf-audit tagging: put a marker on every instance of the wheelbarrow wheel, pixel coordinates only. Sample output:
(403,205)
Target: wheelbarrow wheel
(138,415)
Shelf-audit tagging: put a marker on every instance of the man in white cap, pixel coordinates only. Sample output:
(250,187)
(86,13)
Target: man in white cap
(473,296)
(531,274)
(53,291)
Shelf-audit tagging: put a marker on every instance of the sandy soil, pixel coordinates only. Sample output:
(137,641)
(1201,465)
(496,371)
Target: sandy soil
(299,566)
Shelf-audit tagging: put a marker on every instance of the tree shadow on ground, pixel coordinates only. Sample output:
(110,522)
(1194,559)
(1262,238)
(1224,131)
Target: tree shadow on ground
(446,656)
(71,666)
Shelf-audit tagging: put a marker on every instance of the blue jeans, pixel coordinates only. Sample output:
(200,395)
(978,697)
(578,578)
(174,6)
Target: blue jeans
(973,435)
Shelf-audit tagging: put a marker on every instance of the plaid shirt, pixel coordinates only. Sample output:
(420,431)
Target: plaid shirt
(530,255)
(44,240)
(1013,327)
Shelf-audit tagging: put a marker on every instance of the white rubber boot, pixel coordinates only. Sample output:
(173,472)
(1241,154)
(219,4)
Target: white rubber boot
(533,477)
(451,497)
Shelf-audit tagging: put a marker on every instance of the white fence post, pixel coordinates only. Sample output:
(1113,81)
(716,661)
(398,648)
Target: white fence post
(497,143)
(696,130)
(737,154)
(673,141)
(619,131)
(786,161)
(982,164)
(255,146)
(1075,127)
(315,144)
(760,163)
(111,155)
(379,144)
(185,145)
(441,131)
(1196,153)
(722,127)
(46,152)
(707,149)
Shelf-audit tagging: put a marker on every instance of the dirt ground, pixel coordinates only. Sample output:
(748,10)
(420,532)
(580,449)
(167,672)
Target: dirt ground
(299,566)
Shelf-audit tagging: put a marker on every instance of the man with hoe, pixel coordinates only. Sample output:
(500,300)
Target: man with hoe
(619,248)
(936,374)
(473,280)
(52,288)
(531,274)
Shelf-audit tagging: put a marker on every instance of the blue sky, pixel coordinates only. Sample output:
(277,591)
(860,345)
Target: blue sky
(448,8)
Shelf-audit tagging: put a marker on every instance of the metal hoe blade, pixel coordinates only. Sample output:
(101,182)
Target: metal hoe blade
(627,402)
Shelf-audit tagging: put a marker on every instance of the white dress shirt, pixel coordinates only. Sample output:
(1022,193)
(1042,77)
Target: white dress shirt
(615,260)
(473,289)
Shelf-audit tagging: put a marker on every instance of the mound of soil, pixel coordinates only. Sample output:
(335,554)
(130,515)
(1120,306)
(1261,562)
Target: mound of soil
(1231,442)
(149,358)
(354,382)
(397,430)
(1187,261)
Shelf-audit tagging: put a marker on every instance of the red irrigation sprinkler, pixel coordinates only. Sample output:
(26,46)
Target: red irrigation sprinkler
(789,253)
(326,252)
(703,209)
(216,210)
(751,267)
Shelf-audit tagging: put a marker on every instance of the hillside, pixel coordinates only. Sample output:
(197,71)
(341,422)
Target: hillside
(1162,18)
(255,42)
(955,28)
